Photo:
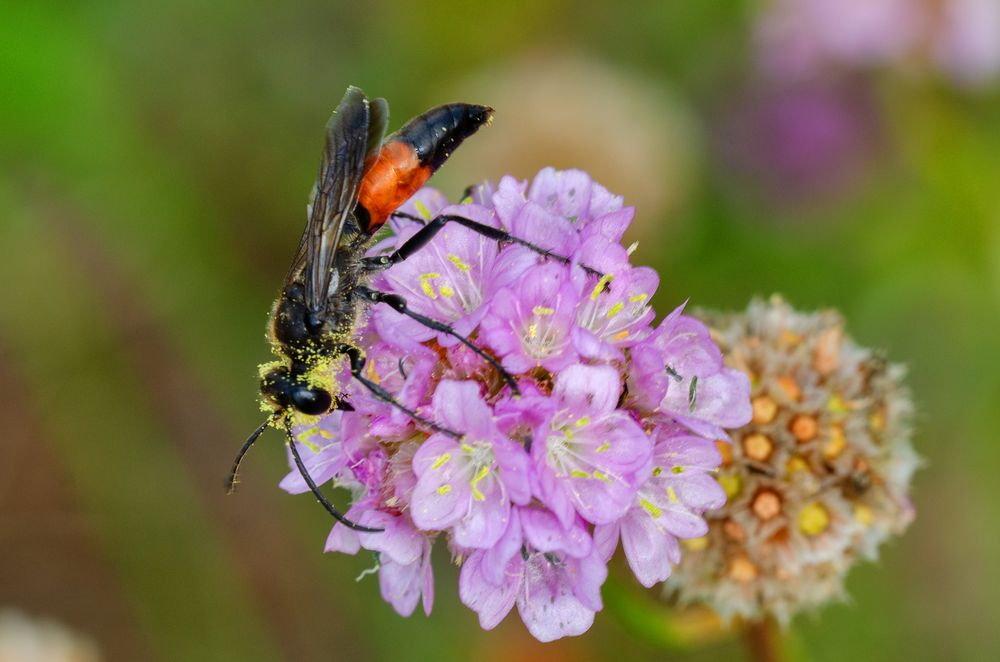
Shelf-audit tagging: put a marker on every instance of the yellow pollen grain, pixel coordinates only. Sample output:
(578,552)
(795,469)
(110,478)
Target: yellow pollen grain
(583,421)
(481,474)
(425,284)
(444,489)
(372,372)
(603,448)
(696,544)
(457,261)
(796,463)
(605,279)
(877,420)
(423,210)
(621,335)
(813,519)
(576,473)
(446,291)
(672,493)
(657,471)
(636,298)
(615,309)
(309,444)
(467,448)
(440,462)
(836,444)
(542,310)
(532,331)
(677,470)
(650,507)
(837,405)
(601,476)
(863,514)
(731,485)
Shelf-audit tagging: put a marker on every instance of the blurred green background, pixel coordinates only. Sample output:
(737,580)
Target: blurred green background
(156,159)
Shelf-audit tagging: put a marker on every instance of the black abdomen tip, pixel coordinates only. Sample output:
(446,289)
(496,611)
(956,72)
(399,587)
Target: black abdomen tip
(438,132)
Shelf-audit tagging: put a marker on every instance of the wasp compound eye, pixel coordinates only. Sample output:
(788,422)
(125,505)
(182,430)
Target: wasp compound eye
(311,401)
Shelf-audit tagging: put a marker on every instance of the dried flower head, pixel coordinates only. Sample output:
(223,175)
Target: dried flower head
(816,481)
(611,436)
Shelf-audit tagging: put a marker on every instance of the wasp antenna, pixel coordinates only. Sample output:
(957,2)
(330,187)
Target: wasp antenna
(300,465)
(234,473)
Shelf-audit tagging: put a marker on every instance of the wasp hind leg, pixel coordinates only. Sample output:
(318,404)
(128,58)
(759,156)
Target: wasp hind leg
(233,478)
(357,362)
(300,465)
(429,230)
(398,304)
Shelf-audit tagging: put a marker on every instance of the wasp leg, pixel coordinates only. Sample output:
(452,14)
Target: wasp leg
(398,304)
(357,362)
(319,495)
(426,233)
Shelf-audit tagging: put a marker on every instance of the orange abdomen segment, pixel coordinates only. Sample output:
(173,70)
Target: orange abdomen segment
(390,179)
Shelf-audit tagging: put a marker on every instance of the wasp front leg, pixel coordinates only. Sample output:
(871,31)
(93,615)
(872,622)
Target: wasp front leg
(424,235)
(357,363)
(398,304)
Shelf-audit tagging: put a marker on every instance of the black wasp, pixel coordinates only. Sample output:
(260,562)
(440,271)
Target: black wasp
(363,178)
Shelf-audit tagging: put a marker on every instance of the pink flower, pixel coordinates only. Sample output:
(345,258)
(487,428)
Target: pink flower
(530,488)
(588,455)
(469,485)
(679,371)
(557,593)
(531,324)
(669,505)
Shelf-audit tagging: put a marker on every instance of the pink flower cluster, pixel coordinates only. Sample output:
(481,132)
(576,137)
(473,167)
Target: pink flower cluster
(611,436)
(958,38)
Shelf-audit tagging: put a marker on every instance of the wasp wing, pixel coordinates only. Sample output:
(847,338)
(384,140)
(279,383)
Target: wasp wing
(333,197)
(379,122)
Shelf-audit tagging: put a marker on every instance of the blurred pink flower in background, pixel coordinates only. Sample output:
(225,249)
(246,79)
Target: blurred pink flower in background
(960,39)
(796,144)
(967,47)
(566,109)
